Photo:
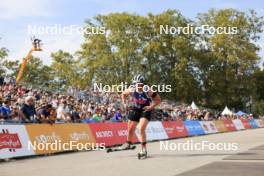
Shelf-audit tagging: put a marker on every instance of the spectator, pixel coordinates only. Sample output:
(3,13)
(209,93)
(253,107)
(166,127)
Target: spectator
(165,116)
(17,115)
(28,109)
(63,112)
(118,116)
(5,110)
(97,117)
(44,113)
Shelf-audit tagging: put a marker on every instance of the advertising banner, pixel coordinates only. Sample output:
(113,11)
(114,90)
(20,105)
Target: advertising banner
(259,123)
(252,123)
(208,127)
(47,138)
(120,132)
(104,133)
(245,122)
(13,141)
(238,124)
(230,126)
(194,128)
(220,125)
(175,129)
(154,131)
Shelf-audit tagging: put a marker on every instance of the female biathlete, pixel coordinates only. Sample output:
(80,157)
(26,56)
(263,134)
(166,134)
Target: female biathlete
(139,111)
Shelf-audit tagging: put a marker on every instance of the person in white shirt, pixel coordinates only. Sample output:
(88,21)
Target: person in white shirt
(63,112)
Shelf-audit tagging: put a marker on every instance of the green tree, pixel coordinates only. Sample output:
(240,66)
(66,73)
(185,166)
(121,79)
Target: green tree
(258,80)
(65,70)
(133,44)
(3,55)
(228,61)
(36,74)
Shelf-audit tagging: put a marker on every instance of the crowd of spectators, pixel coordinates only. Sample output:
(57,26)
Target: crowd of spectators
(26,105)
(185,112)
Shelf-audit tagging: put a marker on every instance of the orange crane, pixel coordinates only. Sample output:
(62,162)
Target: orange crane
(36,47)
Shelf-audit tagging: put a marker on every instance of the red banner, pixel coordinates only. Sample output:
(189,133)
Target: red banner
(103,133)
(245,123)
(110,133)
(229,125)
(9,141)
(120,131)
(175,129)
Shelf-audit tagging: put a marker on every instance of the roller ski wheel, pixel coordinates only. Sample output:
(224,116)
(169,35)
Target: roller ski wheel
(142,155)
(109,150)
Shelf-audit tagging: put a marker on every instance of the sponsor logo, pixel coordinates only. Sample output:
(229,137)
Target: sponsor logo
(47,138)
(102,134)
(122,133)
(9,141)
(79,136)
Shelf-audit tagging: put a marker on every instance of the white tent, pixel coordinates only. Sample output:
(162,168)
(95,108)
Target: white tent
(193,106)
(226,111)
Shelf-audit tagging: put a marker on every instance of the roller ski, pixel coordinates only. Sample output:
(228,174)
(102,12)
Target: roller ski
(125,146)
(142,154)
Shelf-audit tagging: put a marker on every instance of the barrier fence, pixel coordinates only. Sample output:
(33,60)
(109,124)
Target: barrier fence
(37,139)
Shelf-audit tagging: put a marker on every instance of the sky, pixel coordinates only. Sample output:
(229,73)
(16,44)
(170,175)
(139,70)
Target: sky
(17,16)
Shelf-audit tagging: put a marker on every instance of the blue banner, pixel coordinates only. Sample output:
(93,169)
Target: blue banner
(194,128)
(253,124)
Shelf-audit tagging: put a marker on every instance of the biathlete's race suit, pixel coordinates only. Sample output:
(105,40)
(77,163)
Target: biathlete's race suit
(139,107)
(139,101)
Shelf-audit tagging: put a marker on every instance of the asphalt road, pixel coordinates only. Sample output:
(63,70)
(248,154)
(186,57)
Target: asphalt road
(240,152)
